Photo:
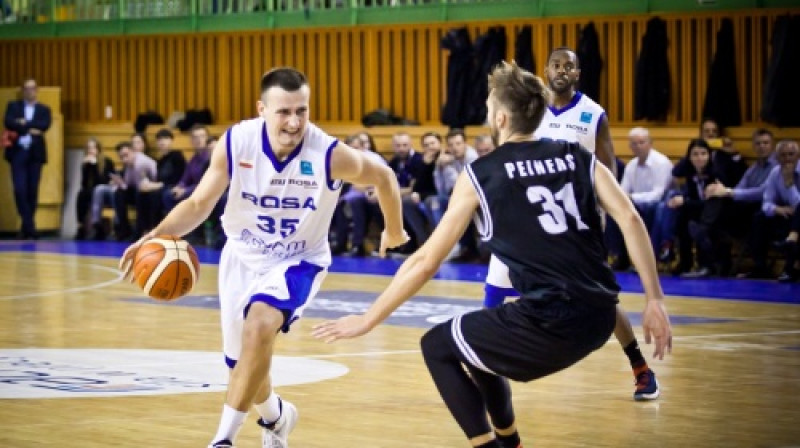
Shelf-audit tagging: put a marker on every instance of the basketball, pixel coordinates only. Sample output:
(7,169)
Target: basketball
(166,267)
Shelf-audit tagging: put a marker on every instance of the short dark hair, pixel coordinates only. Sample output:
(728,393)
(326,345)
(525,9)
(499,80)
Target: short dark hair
(720,129)
(522,93)
(577,60)
(762,131)
(455,132)
(697,142)
(431,134)
(164,133)
(287,78)
(123,145)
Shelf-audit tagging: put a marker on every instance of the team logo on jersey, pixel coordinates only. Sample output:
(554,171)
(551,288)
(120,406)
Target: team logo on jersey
(305,168)
(586,117)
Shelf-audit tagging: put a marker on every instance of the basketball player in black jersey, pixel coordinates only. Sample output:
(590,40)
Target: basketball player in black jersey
(537,200)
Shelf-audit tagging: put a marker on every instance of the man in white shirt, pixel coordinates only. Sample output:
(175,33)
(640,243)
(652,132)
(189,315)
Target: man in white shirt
(646,179)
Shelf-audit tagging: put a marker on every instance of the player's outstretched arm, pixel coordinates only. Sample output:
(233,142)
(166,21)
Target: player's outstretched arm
(655,320)
(414,272)
(192,211)
(354,167)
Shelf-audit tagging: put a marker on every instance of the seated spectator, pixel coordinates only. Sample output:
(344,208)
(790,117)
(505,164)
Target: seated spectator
(136,167)
(645,179)
(483,145)
(790,271)
(139,142)
(686,206)
(407,164)
(357,205)
(781,198)
(170,166)
(729,165)
(424,191)
(367,142)
(449,165)
(729,211)
(95,170)
(194,170)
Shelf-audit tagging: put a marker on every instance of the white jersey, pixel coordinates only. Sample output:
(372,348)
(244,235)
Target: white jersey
(576,122)
(279,210)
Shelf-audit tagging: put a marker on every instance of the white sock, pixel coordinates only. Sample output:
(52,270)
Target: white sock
(229,424)
(270,410)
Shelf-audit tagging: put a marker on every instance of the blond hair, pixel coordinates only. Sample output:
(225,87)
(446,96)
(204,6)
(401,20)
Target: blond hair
(523,94)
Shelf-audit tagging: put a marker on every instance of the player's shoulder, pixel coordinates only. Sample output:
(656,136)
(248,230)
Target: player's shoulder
(587,102)
(246,127)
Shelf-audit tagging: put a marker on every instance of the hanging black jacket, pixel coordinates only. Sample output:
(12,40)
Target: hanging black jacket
(490,50)
(459,73)
(781,90)
(591,63)
(523,49)
(722,96)
(651,99)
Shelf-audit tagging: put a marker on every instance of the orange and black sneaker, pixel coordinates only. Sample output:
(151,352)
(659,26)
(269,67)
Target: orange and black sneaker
(646,386)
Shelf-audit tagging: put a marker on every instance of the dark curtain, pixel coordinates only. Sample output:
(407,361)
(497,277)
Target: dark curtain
(459,73)
(651,96)
(523,49)
(490,50)
(722,96)
(781,95)
(591,63)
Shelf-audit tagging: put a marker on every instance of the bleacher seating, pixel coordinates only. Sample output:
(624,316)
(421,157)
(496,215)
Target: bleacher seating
(671,140)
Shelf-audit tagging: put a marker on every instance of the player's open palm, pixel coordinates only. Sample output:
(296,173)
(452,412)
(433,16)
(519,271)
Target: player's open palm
(345,327)
(655,322)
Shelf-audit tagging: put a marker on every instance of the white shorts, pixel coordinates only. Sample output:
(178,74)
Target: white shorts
(288,285)
(498,274)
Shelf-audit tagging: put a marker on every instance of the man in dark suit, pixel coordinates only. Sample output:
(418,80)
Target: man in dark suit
(30,120)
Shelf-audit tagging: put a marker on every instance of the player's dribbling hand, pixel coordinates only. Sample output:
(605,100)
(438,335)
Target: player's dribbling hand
(389,241)
(126,261)
(343,328)
(656,326)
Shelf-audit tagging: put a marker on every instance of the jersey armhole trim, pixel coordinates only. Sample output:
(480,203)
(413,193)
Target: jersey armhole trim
(333,184)
(597,128)
(228,152)
(484,222)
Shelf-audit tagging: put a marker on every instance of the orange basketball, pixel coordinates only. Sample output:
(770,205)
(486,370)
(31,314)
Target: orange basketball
(166,267)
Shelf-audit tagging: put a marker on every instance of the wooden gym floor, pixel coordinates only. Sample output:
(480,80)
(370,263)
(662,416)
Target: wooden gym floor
(86,361)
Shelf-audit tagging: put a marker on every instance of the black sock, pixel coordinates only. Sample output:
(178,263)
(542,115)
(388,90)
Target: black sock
(491,444)
(511,441)
(635,355)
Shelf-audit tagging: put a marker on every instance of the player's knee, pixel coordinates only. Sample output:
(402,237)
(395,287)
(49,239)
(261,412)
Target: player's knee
(434,343)
(261,326)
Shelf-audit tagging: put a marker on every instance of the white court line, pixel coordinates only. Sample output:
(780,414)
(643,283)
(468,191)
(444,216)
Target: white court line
(68,290)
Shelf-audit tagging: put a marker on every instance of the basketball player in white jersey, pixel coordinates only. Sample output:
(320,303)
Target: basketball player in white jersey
(283,176)
(574,117)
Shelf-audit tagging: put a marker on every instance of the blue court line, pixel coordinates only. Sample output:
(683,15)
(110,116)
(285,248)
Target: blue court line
(716,288)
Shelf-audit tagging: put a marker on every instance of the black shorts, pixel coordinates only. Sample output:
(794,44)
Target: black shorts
(525,340)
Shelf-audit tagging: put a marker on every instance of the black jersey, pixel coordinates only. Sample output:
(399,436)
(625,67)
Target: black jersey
(539,214)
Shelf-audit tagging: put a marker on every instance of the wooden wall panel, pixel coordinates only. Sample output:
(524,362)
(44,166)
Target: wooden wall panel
(356,70)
